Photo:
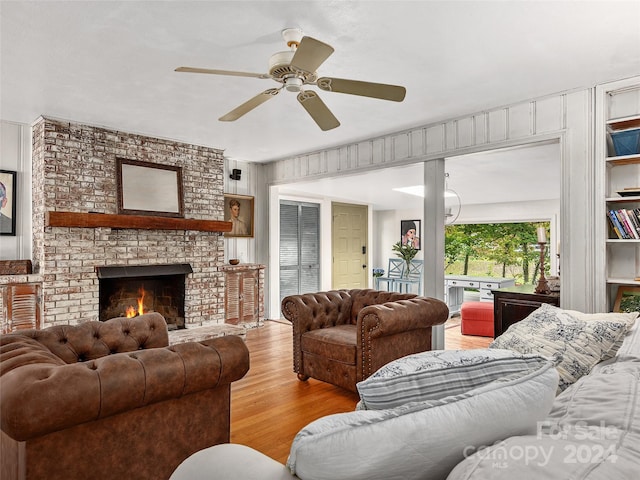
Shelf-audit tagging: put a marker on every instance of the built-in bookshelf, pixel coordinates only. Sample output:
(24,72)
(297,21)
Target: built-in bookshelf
(620,113)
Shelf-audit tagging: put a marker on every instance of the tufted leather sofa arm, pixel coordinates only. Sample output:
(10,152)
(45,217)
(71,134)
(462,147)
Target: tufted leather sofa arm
(389,318)
(376,323)
(43,389)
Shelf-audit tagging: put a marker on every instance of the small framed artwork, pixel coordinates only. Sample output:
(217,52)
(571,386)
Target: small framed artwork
(146,188)
(8,201)
(410,233)
(238,209)
(627,300)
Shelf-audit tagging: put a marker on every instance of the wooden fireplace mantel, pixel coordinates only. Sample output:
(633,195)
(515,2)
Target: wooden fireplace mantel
(144,222)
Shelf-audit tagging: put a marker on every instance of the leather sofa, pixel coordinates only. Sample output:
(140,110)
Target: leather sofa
(343,336)
(111,400)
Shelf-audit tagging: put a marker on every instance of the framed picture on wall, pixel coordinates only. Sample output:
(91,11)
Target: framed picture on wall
(410,233)
(238,209)
(627,300)
(146,188)
(8,201)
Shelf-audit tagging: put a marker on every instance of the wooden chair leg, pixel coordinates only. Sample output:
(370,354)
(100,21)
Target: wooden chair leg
(302,377)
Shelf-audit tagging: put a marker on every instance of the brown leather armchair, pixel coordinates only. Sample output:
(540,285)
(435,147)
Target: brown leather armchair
(107,400)
(343,336)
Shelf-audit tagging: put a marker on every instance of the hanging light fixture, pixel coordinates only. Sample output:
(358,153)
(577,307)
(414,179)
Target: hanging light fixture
(452,204)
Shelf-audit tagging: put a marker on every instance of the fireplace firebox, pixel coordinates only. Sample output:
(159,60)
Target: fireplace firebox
(128,291)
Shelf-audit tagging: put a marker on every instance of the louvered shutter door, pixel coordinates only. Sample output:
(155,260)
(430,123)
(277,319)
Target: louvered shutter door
(299,248)
(249,296)
(22,307)
(289,264)
(232,297)
(309,248)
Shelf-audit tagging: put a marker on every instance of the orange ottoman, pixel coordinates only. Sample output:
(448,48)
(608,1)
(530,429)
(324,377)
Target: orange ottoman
(477,318)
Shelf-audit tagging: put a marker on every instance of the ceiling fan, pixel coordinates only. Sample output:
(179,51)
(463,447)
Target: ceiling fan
(295,69)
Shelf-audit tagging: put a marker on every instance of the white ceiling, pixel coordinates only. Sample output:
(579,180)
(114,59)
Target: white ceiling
(112,63)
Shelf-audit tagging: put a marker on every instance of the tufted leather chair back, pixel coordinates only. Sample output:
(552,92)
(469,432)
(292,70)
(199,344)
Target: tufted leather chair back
(364,297)
(92,340)
(327,309)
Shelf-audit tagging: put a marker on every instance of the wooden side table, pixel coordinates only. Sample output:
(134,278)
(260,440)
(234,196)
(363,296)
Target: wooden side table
(512,304)
(244,294)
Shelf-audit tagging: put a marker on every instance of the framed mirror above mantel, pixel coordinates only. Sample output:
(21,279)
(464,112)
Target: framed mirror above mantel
(146,188)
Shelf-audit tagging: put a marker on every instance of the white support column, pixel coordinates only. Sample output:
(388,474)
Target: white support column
(433,238)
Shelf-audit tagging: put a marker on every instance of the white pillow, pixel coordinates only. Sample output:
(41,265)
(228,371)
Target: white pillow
(627,317)
(574,345)
(440,373)
(630,348)
(422,439)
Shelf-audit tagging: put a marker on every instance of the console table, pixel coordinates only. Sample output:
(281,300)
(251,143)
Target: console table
(454,286)
(510,305)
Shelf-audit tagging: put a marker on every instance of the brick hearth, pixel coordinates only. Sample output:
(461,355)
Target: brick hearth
(74,170)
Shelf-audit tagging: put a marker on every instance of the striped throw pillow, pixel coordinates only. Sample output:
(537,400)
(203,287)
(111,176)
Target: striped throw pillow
(440,373)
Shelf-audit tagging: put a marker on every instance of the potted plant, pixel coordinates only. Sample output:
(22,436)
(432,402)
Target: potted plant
(406,252)
(378,272)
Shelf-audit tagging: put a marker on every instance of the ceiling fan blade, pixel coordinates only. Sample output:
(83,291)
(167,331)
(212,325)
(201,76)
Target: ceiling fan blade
(315,107)
(310,54)
(249,105)
(222,72)
(366,89)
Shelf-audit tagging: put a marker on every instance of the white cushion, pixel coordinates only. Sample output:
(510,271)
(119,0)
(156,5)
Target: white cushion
(626,317)
(574,345)
(422,439)
(630,349)
(230,461)
(592,432)
(439,373)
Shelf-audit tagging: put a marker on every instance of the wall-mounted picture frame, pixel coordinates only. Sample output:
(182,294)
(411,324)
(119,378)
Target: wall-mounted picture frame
(146,188)
(8,202)
(410,233)
(627,300)
(238,209)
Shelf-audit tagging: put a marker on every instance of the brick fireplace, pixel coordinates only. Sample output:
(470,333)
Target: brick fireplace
(129,291)
(74,170)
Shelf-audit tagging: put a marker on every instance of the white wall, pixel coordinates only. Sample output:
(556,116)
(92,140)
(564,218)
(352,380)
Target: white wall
(387,233)
(15,155)
(246,249)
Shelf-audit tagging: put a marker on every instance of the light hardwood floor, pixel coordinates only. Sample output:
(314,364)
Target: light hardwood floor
(270,405)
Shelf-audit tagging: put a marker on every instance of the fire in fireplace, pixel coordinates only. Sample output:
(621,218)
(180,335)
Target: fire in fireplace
(133,290)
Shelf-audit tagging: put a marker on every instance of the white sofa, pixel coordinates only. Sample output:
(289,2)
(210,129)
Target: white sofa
(591,431)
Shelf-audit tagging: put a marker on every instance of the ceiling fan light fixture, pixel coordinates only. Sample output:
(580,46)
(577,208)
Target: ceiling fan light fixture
(293,84)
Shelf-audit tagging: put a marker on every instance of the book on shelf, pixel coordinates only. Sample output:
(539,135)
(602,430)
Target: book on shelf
(628,225)
(635,222)
(625,223)
(613,220)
